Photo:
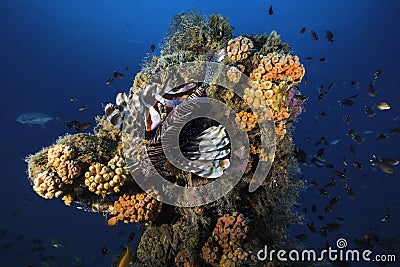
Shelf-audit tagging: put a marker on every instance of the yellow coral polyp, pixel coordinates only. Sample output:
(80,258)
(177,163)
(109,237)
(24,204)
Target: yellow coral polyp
(106,179)
(119,171)
(268,94)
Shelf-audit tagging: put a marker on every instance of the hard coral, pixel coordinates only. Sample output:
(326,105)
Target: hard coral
(239,48)
(141,208)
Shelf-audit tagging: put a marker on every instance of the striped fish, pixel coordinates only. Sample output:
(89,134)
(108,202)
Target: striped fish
(207,152)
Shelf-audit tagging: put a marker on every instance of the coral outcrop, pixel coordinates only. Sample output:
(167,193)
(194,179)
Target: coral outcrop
(90,170)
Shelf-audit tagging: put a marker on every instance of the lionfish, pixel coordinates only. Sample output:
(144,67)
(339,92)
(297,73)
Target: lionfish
(206,149)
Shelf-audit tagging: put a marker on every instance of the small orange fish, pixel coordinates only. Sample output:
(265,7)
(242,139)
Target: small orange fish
(125,258)
(112,221)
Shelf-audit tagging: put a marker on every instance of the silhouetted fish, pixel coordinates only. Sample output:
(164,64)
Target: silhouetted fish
(378,73)
(386,218)
(303,30)
(357,164)
(83,107)
(323,192)
(346,119)
(354,83)
(118,75)
(371,90)
(382,137)
(152,48)
(104,250)
(270,11)
(340,174)
(395,131)
(329,36)
(348,101)
(322,59)
(350,191)
(312,227)
(131,237)
(83,126)
(71,124)
(314,35)
(300,155)
(314,208)
(331,184)
(308,58)
(110,80)
(369,111)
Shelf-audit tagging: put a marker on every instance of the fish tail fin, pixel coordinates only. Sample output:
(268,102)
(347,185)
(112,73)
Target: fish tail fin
(209,152)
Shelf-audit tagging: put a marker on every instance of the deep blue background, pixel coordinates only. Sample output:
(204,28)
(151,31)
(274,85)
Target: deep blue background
(51,51)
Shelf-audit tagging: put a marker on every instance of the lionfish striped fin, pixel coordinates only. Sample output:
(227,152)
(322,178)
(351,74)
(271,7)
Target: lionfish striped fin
(208,152)
(113,115)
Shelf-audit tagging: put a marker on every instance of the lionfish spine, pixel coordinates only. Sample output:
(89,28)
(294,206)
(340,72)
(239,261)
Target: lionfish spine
(198,92)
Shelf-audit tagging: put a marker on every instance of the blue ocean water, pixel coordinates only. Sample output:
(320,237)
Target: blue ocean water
(52,51)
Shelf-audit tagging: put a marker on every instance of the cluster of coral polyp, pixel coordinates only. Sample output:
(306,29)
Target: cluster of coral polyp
(224,246)
(106,179)
(274,66)
(239,48)
(63,169)
(271,78)
(47,185)
(234,74)
(246,120)
(61,157)
(141,208)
